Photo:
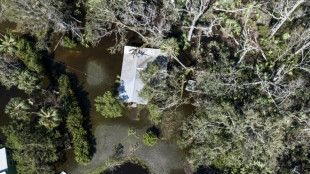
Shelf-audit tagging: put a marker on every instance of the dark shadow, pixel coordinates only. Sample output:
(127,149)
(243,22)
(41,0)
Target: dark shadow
(177,171)
(127,168)
(207,170)
(118,150)
(155,130)
(122,92)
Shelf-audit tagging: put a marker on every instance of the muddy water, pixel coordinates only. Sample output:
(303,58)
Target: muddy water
(96,71)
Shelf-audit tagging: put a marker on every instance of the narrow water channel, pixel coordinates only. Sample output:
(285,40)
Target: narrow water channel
(96,71)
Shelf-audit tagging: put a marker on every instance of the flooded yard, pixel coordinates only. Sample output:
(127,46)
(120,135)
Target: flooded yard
(96,71)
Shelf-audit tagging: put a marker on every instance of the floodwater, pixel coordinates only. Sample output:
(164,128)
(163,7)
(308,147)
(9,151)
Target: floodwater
(96,71)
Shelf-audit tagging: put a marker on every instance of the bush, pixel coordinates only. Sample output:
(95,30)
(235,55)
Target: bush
(149,138)
(67,42)
(155,114)
(30,56)
(109,106)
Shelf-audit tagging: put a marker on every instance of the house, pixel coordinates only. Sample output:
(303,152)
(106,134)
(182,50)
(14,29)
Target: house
(6,162)
(134,60)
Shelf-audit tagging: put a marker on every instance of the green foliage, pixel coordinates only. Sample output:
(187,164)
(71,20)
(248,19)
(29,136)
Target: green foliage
(15,53)
(224,137)
(18,108)
(13,75)
(50,117)
(155,114)
(29,82)
(8,44)
(34,148)
(9,74)
(109,106)
(74,121)
(38,18)
(286,36)
(67,42)
(231,26)
(132,132)
(149,138)
(29,55)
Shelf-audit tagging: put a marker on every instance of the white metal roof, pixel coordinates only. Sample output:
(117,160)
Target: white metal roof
(3,160)
(135,59)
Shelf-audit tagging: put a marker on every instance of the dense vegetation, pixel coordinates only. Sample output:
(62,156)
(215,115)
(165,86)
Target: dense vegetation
(34,147)
(109,106)
(34,135)
(74,121)
(20,64)
(242,67)
(149,138)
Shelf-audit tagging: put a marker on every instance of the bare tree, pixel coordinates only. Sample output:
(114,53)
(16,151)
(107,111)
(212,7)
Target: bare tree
(286,9)
(195,10)
(144,19)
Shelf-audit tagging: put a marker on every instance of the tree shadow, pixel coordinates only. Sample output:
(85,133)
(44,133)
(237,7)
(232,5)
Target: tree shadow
(155,130)
(207,170)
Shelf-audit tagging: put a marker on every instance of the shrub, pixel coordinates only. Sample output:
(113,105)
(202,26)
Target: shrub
(149,138)
(67,42)
(109,106)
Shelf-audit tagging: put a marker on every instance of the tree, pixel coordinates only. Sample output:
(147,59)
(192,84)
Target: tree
(8,44)
(13,75)
(30,56)
(195,10)
(149,20)
(74,121)
(49,117)
(9,72)
(34,148)
(28,82)
(149,138)
(18,108)
(284,9)
(155,114)
(109,106)
(39,17)
(227,139)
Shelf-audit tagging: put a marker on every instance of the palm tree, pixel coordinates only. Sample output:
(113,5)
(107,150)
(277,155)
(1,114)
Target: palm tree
(28,81)
(50,117)
(8,43)
(18,108)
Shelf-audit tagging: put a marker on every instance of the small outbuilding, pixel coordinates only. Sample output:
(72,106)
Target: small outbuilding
(134,60)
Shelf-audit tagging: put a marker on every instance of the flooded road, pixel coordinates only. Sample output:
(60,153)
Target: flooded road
(96,71)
